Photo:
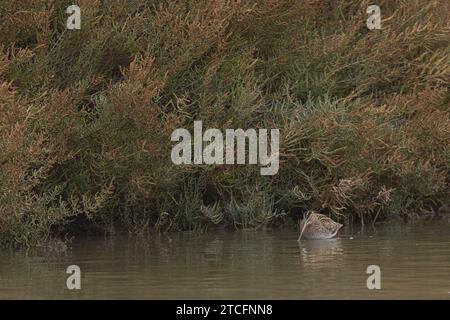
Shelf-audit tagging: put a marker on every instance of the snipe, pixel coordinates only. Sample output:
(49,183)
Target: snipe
(318,226)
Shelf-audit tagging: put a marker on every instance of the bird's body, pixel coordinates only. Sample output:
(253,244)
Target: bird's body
(318,226)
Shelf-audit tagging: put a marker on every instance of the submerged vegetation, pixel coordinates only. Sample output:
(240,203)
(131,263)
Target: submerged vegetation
(86,115)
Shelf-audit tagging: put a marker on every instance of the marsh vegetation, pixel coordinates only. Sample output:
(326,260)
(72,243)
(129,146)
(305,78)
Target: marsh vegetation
(86,115)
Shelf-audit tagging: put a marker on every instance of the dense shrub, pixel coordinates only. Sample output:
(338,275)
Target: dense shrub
(86,116)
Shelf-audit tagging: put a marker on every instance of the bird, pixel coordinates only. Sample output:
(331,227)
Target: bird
(318,226)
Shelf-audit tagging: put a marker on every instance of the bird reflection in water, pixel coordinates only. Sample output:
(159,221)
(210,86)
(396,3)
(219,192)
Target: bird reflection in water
(321,251)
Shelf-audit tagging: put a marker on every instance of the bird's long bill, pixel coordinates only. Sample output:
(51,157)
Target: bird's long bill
(303,229)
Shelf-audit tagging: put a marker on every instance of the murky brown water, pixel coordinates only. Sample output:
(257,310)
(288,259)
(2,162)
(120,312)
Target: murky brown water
(414,262)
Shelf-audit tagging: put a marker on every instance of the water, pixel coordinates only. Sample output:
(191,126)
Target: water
(414,262)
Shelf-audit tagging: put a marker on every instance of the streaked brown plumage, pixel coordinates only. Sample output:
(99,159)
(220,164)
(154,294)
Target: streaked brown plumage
(318,226)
